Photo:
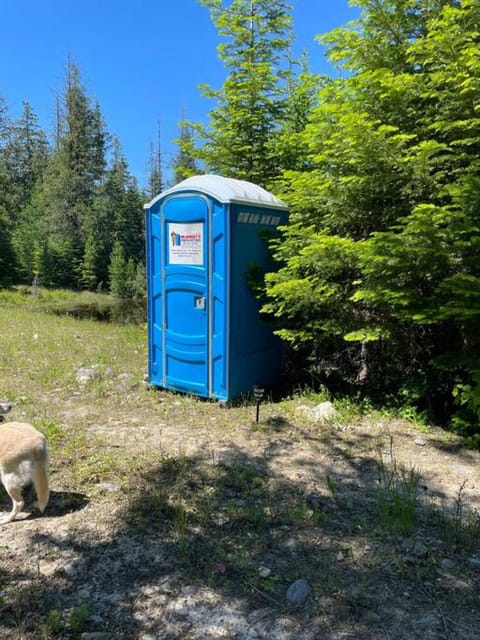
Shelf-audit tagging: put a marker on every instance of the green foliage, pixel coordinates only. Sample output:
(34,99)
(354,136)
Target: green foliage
(62,206)
(184,163)
(238,141)
(397,496)
(79,618)
(383,247)
(127,278)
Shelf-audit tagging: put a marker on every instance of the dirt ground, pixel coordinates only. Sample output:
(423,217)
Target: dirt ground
(287,499)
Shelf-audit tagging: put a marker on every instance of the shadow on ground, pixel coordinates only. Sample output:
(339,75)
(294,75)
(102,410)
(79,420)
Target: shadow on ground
(207,549)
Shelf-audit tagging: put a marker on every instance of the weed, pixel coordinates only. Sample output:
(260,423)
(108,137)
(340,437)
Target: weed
(180,526)
(397,495)
(462,527)
(53,432)
(79,618)
(53,625)
(331,484)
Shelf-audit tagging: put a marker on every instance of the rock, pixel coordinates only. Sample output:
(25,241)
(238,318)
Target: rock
(70,569)
(75,566)
(321,413)
(96,619)
(420,550)
(446,564)
(5,407)
(298,591)
(420,442)
(429,620)
(324,411)
(108,487)
(264,572)
(47,569)
(84,375)
(474,562)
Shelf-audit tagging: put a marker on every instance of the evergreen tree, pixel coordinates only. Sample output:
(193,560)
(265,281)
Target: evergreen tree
(288,145)
(256,38)
(184,164)
(6,251)
(26,157)
(116,216)
(71,180)
(118,271)
(155,179)
(381,258)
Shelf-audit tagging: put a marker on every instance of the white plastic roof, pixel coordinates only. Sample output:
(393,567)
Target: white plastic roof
(224,190)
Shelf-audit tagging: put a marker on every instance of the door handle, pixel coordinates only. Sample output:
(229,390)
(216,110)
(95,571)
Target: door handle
(200,302)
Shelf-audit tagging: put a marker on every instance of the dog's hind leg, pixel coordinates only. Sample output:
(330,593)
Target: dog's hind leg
(14,490)
(39,475)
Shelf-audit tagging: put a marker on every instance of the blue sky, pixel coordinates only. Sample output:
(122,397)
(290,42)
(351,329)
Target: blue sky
(142,60)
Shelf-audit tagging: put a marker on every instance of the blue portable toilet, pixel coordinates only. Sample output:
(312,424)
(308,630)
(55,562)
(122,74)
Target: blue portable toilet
(205,333)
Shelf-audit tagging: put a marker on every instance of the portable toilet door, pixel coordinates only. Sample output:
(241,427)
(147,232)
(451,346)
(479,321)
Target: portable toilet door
(194,286)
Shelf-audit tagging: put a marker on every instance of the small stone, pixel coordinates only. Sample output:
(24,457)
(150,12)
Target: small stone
(420,442)
(70,569)
(420,550)
(321,413)
(95,618)
(298,591)
(108,487)
(264,572)
(446,564)
(427,621)
(74,567)
(289,543)
(84,375)
(474,562)
(47,569)
(5,407)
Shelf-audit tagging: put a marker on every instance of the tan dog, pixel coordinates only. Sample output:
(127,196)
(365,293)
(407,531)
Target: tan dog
(23,459)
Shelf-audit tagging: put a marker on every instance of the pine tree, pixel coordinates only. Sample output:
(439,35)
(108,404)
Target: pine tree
(6,252)
(380,261)
(155,178)
(26,157)
(71,180)
(184,164)
(288,145)
(116,216)
(118,271)
(256,39)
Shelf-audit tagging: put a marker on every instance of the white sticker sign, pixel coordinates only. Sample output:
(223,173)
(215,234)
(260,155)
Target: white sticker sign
(185,243)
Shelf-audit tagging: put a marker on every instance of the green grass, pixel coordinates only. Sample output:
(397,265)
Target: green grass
(216,520)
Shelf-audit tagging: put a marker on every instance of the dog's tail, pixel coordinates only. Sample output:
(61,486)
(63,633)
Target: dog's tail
(40,477)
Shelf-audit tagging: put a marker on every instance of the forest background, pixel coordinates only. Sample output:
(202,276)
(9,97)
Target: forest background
(378,287)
